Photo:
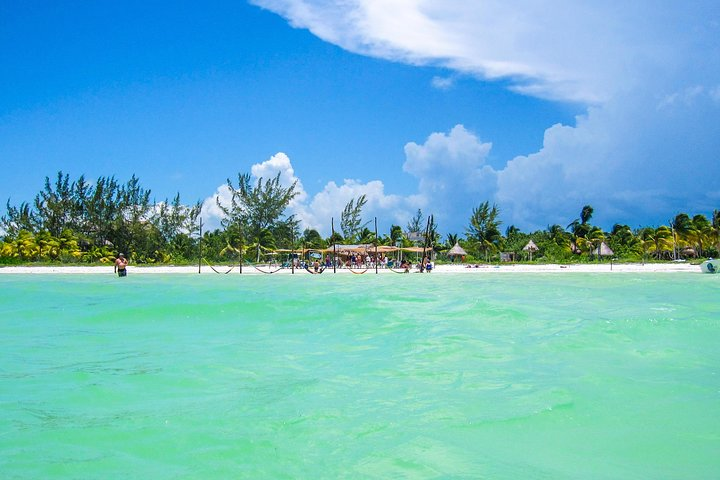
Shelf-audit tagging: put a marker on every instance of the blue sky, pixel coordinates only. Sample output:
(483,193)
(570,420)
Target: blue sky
(540,107)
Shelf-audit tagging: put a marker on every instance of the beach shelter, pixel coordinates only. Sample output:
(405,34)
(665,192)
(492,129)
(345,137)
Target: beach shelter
(603,250)
(456,250)
(530,248)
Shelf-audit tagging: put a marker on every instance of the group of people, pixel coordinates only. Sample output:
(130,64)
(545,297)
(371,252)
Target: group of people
(354,261)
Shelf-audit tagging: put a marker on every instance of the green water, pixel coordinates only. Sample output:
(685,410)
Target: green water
(390,376)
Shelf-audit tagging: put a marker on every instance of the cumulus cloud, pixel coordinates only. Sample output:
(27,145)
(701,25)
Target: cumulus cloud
(280,164)
(648,73)
(317,211)
(331,200)
(452,173)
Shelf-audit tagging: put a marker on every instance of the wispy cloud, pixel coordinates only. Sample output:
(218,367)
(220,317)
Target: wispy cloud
(579,51)
(443,83)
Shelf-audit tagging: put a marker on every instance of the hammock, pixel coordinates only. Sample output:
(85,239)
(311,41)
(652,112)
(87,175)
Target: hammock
(358,273)
(214,270)
(315,273)
(267,272)
(399,271)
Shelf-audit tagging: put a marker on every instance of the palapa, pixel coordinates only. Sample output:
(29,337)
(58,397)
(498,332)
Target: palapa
(603,250)
(530,248)
(456,250)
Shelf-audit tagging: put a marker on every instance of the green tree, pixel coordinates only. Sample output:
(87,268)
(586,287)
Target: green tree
(54,205)
(591,241)
(715,230)
(623,242)
(657,240)
(254,209)
(286,231)
(312,239)
(483,231)
(396,234)
(580,227)
(351,218)
(18,219)
(416,223)
(701,233)
(366,236)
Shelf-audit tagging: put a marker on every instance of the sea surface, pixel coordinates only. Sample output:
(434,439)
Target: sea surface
(497,376)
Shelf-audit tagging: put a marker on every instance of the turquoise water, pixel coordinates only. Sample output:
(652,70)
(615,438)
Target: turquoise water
(389,376)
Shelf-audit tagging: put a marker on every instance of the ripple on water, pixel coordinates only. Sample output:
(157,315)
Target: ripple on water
(388,376)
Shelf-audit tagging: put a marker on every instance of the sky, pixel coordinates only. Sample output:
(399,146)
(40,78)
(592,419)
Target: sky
(540,107)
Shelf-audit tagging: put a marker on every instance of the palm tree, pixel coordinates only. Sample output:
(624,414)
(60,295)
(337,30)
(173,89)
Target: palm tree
(715,233)
(580,227)
(702,231)
(592,240)
(681,227)
(49,246)
(367,236)
(26,246)
(622,240)
(396,234)
(659,240)
(312,238)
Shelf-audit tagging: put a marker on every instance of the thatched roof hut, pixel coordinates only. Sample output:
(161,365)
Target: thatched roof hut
(603,250)
(530,248)
(456,250)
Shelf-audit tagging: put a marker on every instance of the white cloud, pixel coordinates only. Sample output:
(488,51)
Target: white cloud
(648,145)
(442,83)
(452,173)
(585,51)
(331,200)
(280,163)
(628,159)
(317,212)
(210,212)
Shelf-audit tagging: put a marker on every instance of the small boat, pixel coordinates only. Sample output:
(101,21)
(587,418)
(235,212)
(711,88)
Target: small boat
(710,266)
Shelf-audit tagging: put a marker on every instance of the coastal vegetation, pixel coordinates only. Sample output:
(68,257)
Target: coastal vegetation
(82,222)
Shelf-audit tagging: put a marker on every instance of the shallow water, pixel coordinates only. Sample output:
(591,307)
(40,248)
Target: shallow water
(391,376)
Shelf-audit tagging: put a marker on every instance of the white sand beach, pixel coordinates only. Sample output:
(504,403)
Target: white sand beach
(604,267)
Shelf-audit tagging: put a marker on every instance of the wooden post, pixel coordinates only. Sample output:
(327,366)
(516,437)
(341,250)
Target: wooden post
(376,242)
(427,232)
(334,261)
(200,247)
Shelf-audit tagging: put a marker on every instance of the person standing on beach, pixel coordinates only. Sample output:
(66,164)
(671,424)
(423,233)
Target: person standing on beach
(121,265)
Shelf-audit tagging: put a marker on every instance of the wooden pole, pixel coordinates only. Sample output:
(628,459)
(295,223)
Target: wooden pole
(427,232)
(376,242)
(292,253)
(334,262)
(200,247)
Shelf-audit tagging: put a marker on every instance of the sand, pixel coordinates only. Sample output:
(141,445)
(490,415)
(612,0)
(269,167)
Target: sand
(604,267)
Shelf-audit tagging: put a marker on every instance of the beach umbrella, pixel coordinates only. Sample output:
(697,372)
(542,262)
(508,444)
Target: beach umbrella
(530,248)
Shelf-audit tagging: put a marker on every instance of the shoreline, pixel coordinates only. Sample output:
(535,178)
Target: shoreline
(673,267)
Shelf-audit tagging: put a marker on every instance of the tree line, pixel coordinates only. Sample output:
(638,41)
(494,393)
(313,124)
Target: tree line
(91,222)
